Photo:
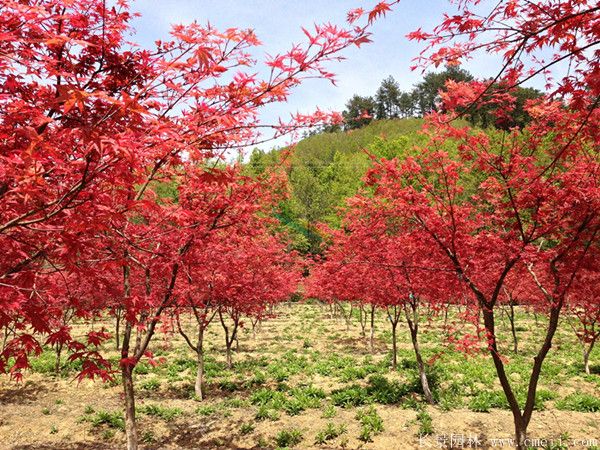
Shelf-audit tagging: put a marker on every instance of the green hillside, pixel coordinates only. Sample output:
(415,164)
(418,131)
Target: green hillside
(326,168)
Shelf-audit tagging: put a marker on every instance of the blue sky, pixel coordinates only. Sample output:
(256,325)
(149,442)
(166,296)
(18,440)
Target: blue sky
(277,24)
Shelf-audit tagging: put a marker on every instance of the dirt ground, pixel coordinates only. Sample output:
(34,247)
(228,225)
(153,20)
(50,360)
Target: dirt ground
(48,412)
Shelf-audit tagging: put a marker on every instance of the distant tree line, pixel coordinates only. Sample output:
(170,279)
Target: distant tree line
(390,102)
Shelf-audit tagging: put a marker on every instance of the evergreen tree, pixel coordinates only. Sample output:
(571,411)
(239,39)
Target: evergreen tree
(388,99)
(359,111)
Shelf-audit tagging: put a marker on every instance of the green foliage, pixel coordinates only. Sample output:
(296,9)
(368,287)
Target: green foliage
(383,391)
(247,428)
(371,423)
(350,396)
(167,414)
(327,168)
(264,413)
(112,419)
(148,437)
(206,410)
(288,438)
(579,402)
(329,412)
(152,384)
(486,400)
(425,424)
(330,432)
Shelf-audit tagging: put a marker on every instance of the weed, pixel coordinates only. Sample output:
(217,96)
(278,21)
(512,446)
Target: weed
(329,433)
(371,423)
(383,391)
(425,425)
(288,438)
(264,413)
(167,414)
(350,396)
(108,434)
(579,402)
(113,419)
(247,428)
(329,412)
(151,385)
(486,400)
(206,410)
(148,437)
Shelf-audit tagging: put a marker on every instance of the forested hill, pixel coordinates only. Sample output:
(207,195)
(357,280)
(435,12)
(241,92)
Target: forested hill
(326,168)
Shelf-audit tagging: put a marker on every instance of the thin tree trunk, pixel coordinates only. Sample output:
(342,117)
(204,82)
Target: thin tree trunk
(229,338)
(521,419)
(394,321)
(118,329)
(130,425)
(127,379)
(59,347)
(413,326)
(394,347)
(127,374)
(587,353)
(513,330)
(372,331)
(200,364)
(363,321)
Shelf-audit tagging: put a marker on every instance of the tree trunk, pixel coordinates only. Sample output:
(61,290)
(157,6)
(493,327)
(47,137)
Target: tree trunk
(127,374)
(130,425)
(59,347)
(586,355)
(199,372)
(118,330)
(513,330)
(363,321)
(372,331)
(394,346)
(413,326)
(228,355)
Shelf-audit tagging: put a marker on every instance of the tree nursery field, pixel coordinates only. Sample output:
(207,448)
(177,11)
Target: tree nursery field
(200,251)
(309,379)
